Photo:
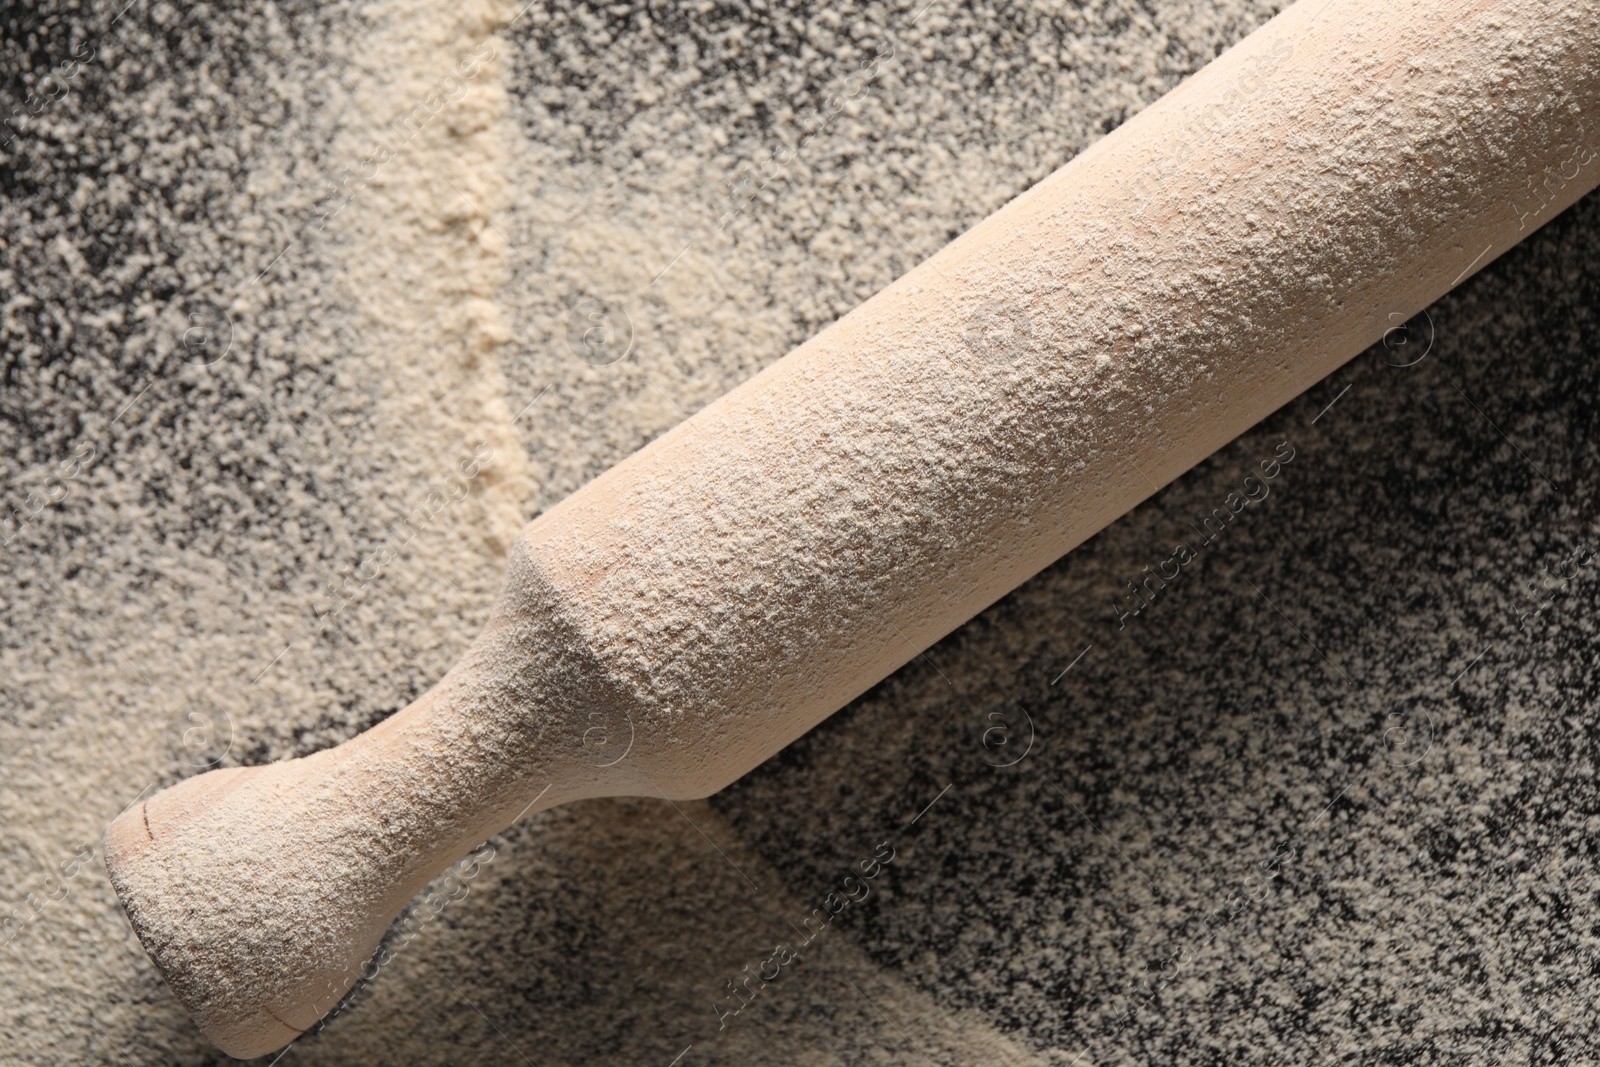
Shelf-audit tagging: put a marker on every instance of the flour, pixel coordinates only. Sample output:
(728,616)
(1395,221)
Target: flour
(242,420)
(183,563)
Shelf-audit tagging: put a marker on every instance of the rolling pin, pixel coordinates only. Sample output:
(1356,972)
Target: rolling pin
(697,607)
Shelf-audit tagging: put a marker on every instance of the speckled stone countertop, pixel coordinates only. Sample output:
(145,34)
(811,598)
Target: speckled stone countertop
(1326,797)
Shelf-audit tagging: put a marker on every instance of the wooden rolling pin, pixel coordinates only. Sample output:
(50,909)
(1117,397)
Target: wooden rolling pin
(694,609)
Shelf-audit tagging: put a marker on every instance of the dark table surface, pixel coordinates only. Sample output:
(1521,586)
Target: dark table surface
(1327,798)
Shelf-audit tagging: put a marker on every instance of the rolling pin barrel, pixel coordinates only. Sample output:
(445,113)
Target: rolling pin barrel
(687,614)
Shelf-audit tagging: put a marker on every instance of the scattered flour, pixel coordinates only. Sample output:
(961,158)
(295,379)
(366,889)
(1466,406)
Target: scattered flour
(177,183)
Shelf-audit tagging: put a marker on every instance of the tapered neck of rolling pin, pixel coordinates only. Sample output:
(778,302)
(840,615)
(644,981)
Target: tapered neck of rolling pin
(316,856)
(524,722)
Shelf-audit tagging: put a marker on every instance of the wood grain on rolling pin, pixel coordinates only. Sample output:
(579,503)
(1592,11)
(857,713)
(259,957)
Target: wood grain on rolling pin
(684,616)
(798,539)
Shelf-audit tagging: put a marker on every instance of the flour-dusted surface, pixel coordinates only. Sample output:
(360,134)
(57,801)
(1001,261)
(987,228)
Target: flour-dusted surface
(1218,849)
(782,551)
